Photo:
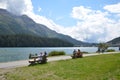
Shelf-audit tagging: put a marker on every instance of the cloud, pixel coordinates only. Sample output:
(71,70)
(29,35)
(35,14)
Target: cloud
(92,25)
(25,7)
(17,7)
(80,12)
(115,8)
(3,4)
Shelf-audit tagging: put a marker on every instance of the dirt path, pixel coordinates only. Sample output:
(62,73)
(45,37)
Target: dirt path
(21,63)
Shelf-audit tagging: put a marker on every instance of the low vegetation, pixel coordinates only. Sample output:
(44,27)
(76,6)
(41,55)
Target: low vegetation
(102,47)
(84,52)
(101,67)
(56,53)
(110,50)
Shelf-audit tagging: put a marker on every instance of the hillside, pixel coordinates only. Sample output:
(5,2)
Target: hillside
(13,25)
(114,42)
(23,40)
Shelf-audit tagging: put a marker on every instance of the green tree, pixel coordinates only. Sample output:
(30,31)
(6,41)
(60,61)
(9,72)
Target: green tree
(102,47)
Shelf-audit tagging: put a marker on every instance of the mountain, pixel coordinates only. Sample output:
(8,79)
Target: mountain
(114,42)
(11,24)
(23,40)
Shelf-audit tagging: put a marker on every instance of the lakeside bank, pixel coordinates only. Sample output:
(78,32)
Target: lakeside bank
(22,63)
(22,53)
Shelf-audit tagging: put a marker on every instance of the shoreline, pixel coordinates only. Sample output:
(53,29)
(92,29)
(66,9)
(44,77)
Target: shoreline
(21,63)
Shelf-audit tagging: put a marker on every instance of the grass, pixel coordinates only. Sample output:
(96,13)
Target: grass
(101,67)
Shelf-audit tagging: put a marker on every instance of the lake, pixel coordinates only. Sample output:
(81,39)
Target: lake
(15,54)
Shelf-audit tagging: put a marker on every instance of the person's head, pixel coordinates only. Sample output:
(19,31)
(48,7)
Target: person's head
(74,50)
(79,50)
(45,53)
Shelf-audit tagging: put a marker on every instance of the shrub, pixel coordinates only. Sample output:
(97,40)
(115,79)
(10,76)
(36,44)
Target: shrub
(84,52)
(56,53)
(110,50)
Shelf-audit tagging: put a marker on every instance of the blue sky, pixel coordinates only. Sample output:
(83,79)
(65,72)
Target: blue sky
(84,20)
(59,10)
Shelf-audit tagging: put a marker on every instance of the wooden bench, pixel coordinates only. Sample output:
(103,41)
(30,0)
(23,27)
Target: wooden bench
(35,59)
(77,56)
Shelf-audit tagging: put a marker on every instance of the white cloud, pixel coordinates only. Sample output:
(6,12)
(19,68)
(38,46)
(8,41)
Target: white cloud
(115,8)
(17,7)
(92,25)
(3,4)
(80,12)
(26,7)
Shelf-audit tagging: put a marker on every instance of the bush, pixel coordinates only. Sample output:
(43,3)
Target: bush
(56,53)
(85,52)
(110,50)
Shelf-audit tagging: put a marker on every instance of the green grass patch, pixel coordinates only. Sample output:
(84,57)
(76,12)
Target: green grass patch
(56,53)
(110,50)
(101,67)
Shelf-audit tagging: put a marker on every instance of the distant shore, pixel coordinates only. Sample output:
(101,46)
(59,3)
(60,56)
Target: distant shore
(21,63)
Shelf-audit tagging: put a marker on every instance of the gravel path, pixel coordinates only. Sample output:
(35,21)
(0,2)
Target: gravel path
(21,63)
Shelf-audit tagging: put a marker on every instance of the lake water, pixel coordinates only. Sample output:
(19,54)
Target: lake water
(15,54)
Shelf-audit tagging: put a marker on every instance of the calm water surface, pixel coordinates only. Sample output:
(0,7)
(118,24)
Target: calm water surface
(15,54)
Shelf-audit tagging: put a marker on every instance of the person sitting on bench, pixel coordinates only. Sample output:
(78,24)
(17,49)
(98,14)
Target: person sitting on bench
(40,57)
(79,54)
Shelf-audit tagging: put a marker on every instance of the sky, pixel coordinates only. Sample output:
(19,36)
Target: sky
(84,20)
